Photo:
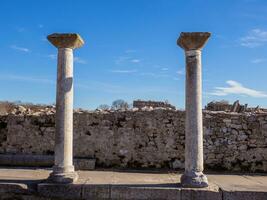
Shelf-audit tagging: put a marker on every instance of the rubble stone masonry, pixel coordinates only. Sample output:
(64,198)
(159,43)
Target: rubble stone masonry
(143,139)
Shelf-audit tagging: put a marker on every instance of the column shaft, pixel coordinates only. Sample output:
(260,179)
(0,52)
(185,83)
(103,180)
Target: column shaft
(192,43)
(194,132)
(63,170)
(64,112)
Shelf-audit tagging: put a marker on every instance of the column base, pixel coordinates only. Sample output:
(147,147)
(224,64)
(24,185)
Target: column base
(63,175)
(194,180)
(66,178)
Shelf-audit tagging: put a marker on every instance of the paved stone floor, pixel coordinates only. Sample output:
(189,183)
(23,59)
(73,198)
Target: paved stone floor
(132,184)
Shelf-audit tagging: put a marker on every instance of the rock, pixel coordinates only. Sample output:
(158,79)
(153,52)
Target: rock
(236,126)
(224,129)
(242,137)
(208,116)
(177,164)
(21,109)
(227,120)
(243,147)
(234,132)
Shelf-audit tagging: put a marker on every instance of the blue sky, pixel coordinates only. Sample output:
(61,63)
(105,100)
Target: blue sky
(130,49)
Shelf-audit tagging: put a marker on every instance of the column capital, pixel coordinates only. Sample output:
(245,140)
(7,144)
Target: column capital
(192,40)
(66,40)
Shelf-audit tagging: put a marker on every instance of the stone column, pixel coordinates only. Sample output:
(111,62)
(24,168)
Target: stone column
(192,43)
(63,170)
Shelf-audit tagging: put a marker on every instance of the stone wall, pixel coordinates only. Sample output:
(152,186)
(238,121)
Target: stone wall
(236,142)
(154,104)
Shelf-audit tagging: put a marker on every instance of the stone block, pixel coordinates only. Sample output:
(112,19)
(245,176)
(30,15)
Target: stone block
(96,191)
(13,188)
(210,193)
(10,196)
(65,191)
(244,195)
(28,197)
(133,192)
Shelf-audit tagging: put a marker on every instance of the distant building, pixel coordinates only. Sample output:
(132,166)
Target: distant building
(218,106)
(235,107)
(154,104)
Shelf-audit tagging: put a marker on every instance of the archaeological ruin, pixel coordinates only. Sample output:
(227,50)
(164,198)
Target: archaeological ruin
(235,142)
(152,104)
(220,138)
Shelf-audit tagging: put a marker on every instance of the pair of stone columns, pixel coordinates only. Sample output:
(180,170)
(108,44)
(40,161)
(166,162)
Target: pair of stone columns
(192,43)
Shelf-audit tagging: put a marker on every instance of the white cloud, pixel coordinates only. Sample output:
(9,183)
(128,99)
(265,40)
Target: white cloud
(155,75)
(99,86)
(135,60)
(52,56)
(130,51)
(122,59)
(122,89)
(255,38)
(123,71)
(13,77)
(180,72)
(79,60)
(127,58)
(258,60)
(20,48)
(164,68)
(238,89)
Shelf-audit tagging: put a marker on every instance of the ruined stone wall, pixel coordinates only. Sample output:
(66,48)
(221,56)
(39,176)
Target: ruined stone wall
(154,104)
(236,142)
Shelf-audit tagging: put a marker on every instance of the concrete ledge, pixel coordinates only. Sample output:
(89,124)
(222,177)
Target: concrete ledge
(127,192)
(28,184)
(241,187)
(118,192)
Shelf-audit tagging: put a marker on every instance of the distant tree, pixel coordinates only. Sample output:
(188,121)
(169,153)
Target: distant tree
(103,107)
(119,104)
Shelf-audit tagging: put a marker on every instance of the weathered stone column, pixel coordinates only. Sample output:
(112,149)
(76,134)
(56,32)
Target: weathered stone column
(192,43)
(63,170)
